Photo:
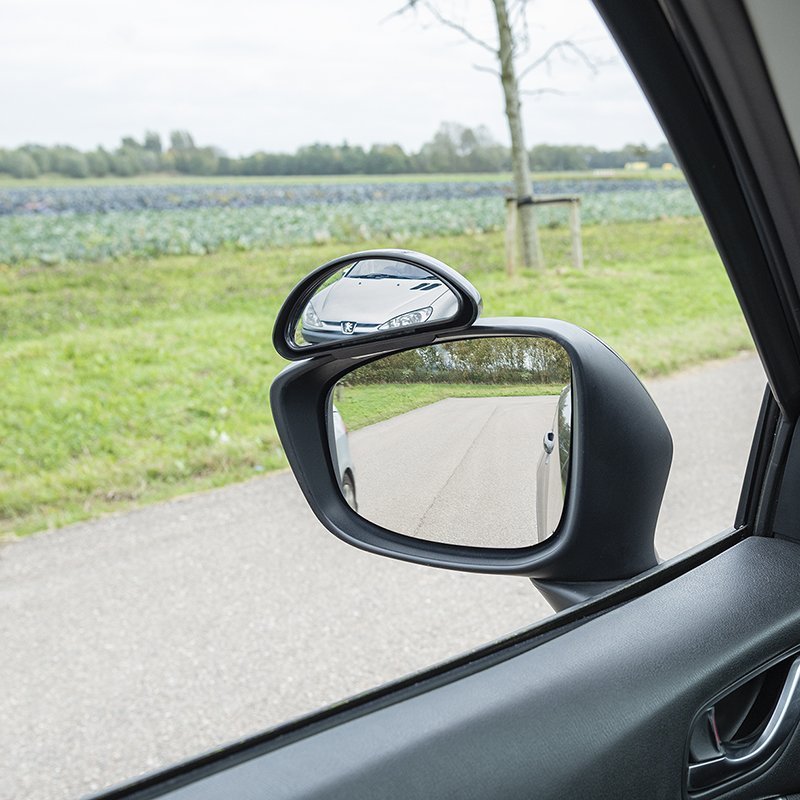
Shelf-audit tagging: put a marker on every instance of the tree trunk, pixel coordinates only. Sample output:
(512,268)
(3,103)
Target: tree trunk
(531,249)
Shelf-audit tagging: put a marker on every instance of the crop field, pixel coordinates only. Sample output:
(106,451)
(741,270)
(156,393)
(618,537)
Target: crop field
(129,381)
(57,224)
(135,320)
(87,199)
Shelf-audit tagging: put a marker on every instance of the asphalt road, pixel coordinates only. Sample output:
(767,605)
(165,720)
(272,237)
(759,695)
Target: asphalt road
(461,471)
(139,639)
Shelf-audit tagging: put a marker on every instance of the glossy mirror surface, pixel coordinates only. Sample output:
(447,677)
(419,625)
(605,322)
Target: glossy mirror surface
(374,295)
(465,443)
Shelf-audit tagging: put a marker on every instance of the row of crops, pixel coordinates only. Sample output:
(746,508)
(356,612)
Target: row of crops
(166,197)
(98,223)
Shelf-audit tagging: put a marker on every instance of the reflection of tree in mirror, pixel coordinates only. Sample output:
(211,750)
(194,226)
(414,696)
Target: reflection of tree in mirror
(507,360)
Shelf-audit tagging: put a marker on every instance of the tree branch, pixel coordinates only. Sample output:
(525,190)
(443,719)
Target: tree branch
(448,23)
(460,28)
(482,68)
(562,46)
(543,90)
(518,17)
(411,5)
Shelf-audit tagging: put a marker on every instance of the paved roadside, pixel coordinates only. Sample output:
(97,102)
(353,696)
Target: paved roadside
(139,639)
(461,470)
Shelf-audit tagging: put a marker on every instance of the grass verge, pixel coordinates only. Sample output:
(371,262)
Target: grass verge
(362,405)
(133,381)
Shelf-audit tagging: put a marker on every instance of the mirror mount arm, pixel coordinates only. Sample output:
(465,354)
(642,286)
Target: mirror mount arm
(561,595)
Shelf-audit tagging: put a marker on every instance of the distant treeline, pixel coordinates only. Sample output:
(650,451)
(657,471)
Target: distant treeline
(454,148)
(512,360)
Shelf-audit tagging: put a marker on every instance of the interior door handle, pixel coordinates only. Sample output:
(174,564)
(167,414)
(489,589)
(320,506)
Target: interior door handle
(739,759)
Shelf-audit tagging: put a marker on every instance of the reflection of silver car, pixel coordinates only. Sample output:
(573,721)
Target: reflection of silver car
(347,480)
(376,295)
(553,469)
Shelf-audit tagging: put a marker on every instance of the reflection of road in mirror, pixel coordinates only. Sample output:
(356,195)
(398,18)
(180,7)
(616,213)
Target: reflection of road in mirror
(460,471)
(371,296)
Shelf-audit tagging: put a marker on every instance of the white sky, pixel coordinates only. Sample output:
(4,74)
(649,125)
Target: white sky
(271,75)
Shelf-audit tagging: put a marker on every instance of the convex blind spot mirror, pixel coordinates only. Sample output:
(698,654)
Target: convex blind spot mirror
(373,295)
(464,442)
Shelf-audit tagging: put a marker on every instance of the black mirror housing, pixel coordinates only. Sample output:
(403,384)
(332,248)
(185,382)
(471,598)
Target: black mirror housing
(620,460)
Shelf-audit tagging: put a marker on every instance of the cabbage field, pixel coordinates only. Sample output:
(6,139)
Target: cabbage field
(93,223)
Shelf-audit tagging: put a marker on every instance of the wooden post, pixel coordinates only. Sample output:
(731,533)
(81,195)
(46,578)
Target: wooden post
(514,245)
(538,242)
(511,235)
(575,233)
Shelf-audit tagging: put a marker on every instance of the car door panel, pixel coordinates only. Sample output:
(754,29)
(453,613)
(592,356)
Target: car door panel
(602,712)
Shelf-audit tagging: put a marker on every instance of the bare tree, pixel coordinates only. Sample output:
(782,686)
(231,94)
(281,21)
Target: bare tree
(513,43)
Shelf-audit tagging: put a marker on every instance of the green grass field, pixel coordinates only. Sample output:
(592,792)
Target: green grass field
(133,381)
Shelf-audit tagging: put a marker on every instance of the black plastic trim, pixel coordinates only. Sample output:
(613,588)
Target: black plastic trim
(773,479)
(761,453)
(715,790)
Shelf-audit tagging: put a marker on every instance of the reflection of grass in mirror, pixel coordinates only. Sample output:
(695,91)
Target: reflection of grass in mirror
(132,381)
(367,404)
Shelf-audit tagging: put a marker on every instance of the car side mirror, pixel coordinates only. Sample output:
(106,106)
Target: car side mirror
(464,442)
(512,446)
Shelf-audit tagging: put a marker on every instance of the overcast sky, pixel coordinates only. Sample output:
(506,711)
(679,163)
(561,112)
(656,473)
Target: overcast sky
(271,75)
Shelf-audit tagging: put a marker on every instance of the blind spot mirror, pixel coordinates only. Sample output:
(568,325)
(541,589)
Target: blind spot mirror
(374,295)
(465,442)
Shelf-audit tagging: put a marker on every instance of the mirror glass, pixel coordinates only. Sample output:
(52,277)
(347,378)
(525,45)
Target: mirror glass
(464,443)
(374,295)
